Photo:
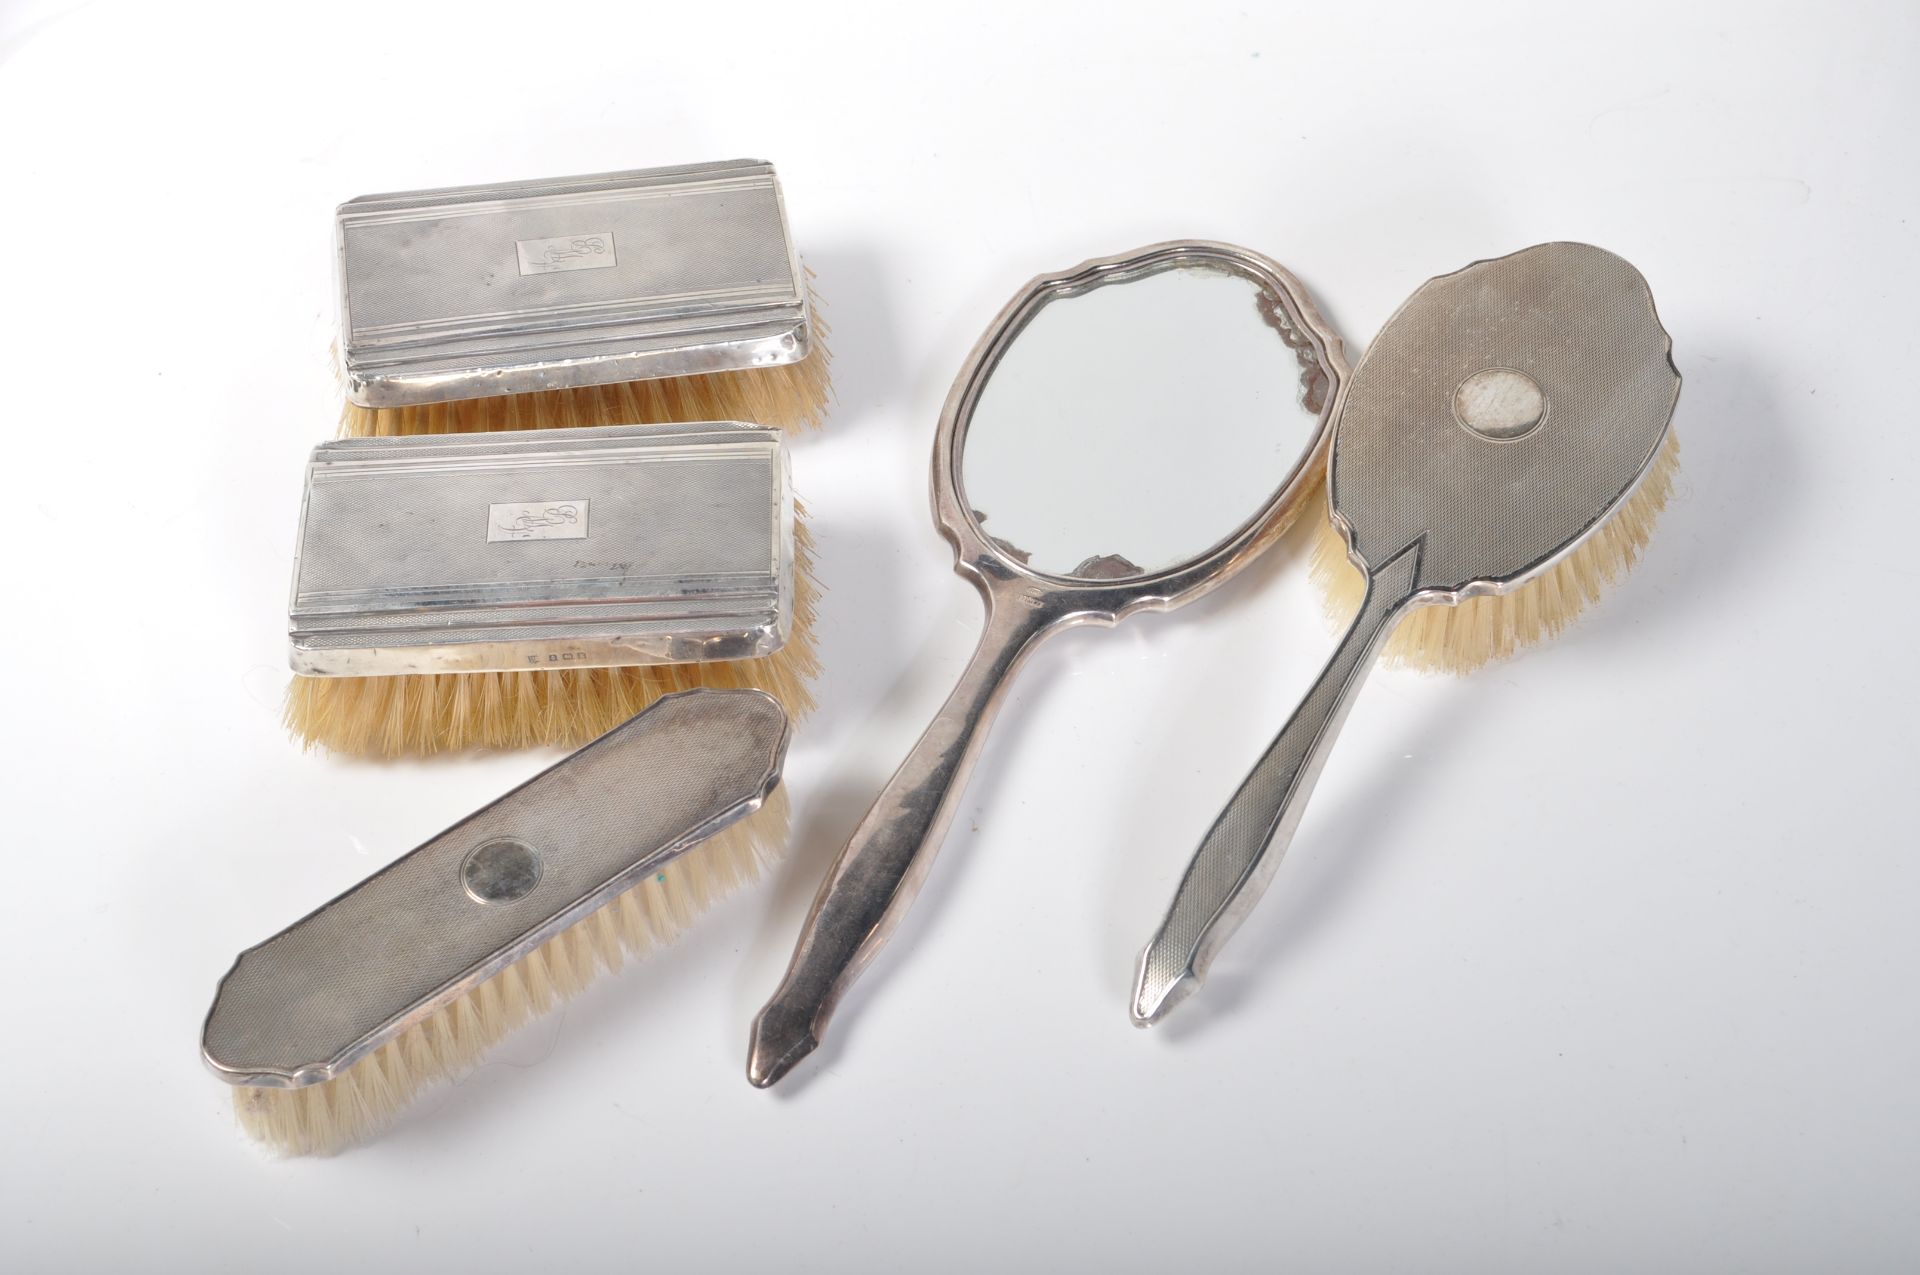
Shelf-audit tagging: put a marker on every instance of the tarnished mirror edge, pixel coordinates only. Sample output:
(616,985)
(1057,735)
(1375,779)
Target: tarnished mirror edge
(1319,348)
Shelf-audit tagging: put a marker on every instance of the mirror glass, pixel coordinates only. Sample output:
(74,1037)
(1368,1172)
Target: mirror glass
(1133,426)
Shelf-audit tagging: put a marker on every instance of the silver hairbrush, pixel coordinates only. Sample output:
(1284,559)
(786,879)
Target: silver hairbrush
(1499,455)
(332,1024)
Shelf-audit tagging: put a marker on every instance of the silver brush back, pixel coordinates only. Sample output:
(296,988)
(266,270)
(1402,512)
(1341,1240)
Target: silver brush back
(308,1003)
(471,291)
(539,549)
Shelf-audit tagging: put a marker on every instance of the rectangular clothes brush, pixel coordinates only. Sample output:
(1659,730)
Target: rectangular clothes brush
(656,295)
(541,586)
(329,1028)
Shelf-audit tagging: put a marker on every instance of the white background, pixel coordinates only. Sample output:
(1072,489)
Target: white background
(1603,959)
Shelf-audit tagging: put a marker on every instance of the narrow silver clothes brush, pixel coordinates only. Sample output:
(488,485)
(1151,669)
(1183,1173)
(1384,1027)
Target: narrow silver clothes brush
(330,1027)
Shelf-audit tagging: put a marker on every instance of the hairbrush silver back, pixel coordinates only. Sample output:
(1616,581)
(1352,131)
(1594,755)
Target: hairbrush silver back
(333,1023)
(537,549)
(472,291)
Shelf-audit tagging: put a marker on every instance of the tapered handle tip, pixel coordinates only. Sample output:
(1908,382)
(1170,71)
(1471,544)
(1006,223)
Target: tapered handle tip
(781,1038)
(1163,979)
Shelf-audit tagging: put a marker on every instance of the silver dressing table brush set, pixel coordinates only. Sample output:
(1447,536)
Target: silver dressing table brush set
(561,514)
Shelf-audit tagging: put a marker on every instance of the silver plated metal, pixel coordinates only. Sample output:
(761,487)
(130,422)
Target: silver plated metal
(320,995)
(1503,414)
(472,291)
(566,548)
(874,881)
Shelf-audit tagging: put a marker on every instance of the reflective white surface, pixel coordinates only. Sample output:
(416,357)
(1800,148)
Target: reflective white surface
(1132,427)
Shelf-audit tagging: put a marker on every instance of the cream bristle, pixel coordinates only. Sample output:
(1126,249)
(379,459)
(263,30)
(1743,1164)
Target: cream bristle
(792,396)
(1462,637)
(324,1118)
(417,714)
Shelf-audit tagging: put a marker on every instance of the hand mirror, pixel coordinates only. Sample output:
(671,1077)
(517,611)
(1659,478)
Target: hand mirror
(1127,435)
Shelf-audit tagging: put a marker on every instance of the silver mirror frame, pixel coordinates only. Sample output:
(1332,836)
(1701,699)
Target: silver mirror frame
(870,887)
(997,575)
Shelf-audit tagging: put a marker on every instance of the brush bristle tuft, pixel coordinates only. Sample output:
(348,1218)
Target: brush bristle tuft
(324,1118)
(422,713)
(1462,637)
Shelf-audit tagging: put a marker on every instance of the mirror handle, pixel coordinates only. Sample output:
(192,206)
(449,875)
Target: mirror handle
(873,882)
(1242,851)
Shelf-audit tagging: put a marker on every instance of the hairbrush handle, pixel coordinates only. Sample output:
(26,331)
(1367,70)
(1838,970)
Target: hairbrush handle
(881,870)
(1243,849)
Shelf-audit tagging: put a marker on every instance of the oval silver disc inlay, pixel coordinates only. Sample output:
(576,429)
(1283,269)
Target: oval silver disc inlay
(501,871)
(1499,403)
